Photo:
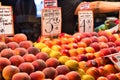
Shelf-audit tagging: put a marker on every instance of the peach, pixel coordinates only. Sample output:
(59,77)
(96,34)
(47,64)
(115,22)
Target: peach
(29,57)
(102,71)
(118,75)
(103,45)
(100,61)
(85,34)
(37,75)
(89,49)
(94,39)
(110,68)
(56,42)
(3,45)
(117,42)
(3,63)
(73,75)
(92,63)
(21,76)
(25,44)
(7,53)
(16,60)
(64,40)
(39,64)
(111,38)
(52,62)
(48,43)
(97,54)
(42,55)
(95,45)
(102,78)
(113,50)
(65,52)
(81,50)
(82,57)
(12,45)
(112,76)
(102,39)
(87,40)
(111,44)
(104,33)
(8,39)
(82,44)
(9,71)
(62,69)
(19,37)
(61,77)
(20,51)
(77,36)
(83,65)
(26,67)
(50,72)
(73,45)
(105,51)
(73,52)
(65,46)
(90,56)
(93,71)
(72,40)
(33,50)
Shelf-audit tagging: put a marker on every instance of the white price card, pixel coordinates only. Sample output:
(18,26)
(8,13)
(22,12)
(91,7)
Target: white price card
(115,58)
(50,3)
(51,21)
(85,21)
(6,20)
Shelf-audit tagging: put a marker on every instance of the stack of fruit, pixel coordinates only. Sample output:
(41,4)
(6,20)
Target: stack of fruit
(68,57)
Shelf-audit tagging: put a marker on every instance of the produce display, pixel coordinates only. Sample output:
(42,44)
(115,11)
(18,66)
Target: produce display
(81,56)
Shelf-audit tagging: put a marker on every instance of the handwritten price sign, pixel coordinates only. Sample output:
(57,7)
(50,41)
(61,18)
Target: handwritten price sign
(6,20)
(51,21)
(115,58)
(85,21)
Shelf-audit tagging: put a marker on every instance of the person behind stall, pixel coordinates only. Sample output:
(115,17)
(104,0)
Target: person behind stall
(70,10)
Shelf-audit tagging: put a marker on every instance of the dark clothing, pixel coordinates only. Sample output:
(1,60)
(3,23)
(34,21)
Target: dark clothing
(26,8)
(68,18)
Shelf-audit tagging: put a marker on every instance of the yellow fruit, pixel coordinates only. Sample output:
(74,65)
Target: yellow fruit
(72,64)
(46,50)
(63,59)
(40,45)
(81,72)
(55,54)
(87,77)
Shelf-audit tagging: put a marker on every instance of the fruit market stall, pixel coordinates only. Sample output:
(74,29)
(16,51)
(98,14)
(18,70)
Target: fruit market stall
(81,56)
(86,55)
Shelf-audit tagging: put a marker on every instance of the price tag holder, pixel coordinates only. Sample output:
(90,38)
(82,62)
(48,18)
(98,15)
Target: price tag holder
(115,58)
(85,21)
(6,21)
(50,3)
(51,21)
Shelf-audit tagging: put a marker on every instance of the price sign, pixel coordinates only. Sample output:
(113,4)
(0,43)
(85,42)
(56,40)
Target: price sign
(115,58)
(51,21)
(85,21)
(50,3)
(6,20)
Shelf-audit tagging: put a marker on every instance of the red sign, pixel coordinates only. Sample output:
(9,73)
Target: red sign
(50,3)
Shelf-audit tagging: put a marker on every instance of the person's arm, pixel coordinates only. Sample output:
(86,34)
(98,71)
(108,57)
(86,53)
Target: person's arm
(101,6)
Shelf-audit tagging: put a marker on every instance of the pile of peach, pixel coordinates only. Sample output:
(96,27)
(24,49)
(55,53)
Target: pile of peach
(81,56)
